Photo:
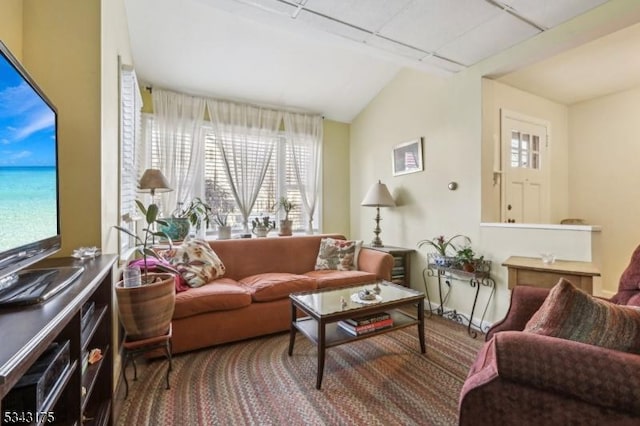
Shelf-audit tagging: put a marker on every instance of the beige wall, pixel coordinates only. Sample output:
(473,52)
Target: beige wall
(61,49)
(604,180)
(497,96)
(335,178)
(11,26)
(447,113)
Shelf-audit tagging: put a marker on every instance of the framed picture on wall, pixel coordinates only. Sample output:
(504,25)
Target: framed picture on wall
(407,157)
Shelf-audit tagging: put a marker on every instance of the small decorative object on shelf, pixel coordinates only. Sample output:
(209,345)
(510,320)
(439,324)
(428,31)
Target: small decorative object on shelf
(366,294)
(94,356)
(83,253)
(548,258)
(371,298)
(343,303)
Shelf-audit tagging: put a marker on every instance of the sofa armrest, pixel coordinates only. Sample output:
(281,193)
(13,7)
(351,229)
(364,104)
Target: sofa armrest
(595,375)
(525,301)
(376,262)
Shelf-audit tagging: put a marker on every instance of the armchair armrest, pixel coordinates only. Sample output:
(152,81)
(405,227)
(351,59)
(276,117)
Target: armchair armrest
(525,301)
(598,376)
(377,262)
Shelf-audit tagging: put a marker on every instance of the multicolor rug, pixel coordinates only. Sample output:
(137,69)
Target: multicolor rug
(383,380)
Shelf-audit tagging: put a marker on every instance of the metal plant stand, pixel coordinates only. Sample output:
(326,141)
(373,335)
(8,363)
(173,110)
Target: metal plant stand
(447,273)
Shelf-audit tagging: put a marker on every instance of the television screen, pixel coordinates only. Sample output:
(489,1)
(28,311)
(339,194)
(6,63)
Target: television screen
(29,223)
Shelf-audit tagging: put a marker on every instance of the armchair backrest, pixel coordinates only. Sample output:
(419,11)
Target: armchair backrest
(629,287)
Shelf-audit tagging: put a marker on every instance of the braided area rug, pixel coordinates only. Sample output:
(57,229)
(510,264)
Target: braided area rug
(382,380)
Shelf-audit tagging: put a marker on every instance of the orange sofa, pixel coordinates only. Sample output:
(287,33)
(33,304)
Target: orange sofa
(252,299)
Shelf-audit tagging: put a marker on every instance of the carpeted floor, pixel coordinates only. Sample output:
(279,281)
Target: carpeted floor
(383,380)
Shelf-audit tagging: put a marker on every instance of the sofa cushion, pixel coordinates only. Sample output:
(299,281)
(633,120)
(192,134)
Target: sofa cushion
(572,314)
(338,255)
(222,294)
(276,285)
(196,261)
(328,278)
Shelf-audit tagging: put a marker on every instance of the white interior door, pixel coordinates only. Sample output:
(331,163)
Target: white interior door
(525,168)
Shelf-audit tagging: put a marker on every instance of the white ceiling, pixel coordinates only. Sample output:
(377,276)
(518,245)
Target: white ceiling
(325,56)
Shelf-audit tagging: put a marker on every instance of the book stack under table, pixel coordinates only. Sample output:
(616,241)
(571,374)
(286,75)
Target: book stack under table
(366,324)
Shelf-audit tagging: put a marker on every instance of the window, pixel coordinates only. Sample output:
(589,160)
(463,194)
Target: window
(130,152)
(280,180)
(525,150)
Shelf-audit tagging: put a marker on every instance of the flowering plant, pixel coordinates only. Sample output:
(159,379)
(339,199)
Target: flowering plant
(441,243)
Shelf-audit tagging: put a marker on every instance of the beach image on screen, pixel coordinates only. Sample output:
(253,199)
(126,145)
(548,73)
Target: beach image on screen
(28,204)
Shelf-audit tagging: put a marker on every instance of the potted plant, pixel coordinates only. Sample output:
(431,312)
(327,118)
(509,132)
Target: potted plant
(445,248)
(177,226)
(146,310)
(285,224)
(224,230)
(261,226)
(467,260)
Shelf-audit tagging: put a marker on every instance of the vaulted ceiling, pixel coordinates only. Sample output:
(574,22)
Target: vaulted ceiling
(325,56)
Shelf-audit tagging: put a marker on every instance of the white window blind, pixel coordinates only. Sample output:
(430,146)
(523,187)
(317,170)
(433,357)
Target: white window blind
(279,180)
(131,157)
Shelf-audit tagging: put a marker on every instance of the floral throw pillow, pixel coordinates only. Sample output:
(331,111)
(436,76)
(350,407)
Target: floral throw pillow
(337,255)
(196,261)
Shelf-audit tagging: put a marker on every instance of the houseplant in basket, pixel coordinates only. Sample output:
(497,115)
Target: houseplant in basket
(146,310)
(285,224)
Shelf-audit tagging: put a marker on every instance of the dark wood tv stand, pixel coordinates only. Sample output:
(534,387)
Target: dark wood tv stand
(27,331)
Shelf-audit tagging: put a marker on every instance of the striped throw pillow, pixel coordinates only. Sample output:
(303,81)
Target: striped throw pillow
(569,313)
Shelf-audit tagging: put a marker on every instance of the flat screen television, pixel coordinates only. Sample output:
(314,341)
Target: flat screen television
(29,195)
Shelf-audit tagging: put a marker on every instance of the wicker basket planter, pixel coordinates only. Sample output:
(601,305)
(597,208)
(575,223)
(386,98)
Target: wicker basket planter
(146,311)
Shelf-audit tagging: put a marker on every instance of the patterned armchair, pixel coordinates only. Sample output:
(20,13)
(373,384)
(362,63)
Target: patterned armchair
(530,379)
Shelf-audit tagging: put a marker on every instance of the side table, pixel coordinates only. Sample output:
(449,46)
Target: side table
(401,272)
(531,271)
(133,348)
(481,277)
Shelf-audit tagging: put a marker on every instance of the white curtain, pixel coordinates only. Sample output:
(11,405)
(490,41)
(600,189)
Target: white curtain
(246,136)
(304,138)
(178,120)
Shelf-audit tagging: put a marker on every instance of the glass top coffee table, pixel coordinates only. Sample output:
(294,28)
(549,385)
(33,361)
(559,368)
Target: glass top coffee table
(326,308)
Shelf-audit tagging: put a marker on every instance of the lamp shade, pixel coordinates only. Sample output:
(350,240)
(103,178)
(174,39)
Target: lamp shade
(378,196)
(153,180)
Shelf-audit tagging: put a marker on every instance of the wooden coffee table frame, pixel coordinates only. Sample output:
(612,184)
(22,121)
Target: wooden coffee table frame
(323,330)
